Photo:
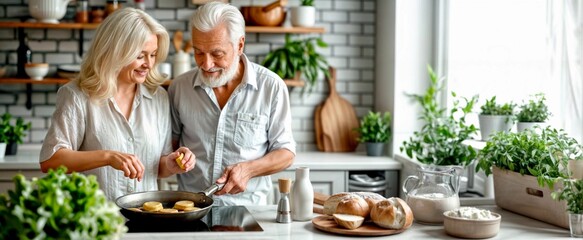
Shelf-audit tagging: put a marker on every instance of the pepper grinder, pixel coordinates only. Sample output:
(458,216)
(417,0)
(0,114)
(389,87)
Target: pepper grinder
(283,207)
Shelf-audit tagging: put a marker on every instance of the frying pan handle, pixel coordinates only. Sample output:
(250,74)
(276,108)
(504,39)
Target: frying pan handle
(213,188)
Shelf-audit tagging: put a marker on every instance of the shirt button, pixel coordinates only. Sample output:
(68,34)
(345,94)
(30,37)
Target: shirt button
(130,139)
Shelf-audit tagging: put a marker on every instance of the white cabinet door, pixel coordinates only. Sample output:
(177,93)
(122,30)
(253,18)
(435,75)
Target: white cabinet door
(326,182)
(6,182)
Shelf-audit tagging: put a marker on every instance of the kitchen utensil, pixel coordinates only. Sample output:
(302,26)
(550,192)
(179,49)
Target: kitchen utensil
(188,47)
(167,198)
(272,14)
(338,121)
(327,224)
(283,206)
(177,40)
(36,71)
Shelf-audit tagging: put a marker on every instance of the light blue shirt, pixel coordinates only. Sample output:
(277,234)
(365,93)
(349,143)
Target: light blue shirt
(255,120)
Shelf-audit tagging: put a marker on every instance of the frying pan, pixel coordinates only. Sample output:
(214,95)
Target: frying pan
(201,200)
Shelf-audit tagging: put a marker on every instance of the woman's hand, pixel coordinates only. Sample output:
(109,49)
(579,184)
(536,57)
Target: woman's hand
(129,164)
(177,165)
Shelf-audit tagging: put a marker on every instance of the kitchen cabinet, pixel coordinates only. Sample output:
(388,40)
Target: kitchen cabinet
(6,176)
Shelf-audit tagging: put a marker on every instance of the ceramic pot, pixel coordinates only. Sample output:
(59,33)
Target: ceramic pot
(374,148)
(48,11)
(303,16)
(490,124)
(521,126)
(11,148)
(2,149)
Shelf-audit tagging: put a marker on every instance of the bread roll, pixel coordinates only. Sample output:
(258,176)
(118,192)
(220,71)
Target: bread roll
(353,205)
(168,210)
(348,221)
(392,213)
(332,202)
(370,198)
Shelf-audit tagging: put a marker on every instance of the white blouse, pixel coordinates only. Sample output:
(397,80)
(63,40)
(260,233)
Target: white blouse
(81,125)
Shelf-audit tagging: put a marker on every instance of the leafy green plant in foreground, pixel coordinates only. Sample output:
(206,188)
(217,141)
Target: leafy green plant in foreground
(59,206)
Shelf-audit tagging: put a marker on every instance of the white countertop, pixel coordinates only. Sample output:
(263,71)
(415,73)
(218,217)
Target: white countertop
(512,226)
(27,158)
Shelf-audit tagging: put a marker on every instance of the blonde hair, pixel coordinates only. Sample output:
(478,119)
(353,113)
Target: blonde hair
(117,43)
(210,15)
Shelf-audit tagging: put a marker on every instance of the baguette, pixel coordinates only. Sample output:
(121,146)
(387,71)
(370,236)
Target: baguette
(392,213)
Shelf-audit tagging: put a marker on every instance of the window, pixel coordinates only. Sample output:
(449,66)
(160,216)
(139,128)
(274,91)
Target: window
(503,48)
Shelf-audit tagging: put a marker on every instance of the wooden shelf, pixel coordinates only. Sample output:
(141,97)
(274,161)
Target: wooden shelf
(259,29)
(72,25)
(288,82)
(62,25)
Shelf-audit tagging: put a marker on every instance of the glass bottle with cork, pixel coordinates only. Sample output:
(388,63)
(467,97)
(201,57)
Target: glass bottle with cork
(24,56)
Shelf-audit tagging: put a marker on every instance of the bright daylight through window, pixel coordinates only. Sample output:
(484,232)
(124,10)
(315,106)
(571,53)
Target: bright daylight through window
(507,49)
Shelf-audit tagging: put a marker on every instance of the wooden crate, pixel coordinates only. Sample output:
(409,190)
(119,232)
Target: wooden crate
(522,194)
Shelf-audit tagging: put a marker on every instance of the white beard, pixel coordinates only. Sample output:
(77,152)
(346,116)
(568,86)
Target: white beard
(225,75)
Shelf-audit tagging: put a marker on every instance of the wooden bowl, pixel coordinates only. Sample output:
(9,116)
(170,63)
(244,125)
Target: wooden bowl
(255,16)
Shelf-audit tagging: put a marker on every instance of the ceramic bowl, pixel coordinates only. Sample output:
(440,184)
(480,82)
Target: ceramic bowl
(471,228)
(36,71)
(255,16)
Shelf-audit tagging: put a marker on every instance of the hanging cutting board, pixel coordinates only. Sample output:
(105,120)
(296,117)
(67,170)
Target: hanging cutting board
(335,121)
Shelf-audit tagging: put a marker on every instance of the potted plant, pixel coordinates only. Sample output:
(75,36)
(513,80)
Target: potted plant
(298,57)
(375,131)
(531,113)
(304,15)
(525,166)
(439,142)
(495,117)
(572,193)
(12,134)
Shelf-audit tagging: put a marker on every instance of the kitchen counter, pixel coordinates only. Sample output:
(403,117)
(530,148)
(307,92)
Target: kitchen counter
(512,226)
(28,154)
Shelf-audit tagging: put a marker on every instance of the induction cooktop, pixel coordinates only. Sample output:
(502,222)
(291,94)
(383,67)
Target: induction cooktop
(223,218)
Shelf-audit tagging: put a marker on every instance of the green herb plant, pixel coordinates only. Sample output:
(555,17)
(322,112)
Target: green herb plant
(539,152)
(375,127)
(535,110)
(493,108)
(572,192)
(12,133)
(59,206)
(439,141)
(298,56)
(307,3)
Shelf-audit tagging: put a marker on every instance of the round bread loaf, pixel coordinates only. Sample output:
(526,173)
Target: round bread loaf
(353,205)
(152,206)
(348,221)
(370,198)
(392,213)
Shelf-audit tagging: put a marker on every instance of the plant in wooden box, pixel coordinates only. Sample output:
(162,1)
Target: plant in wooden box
(495,117)
(298,57)
(439,142)
(12,134)
(525,166)
(531,113)
(375,131)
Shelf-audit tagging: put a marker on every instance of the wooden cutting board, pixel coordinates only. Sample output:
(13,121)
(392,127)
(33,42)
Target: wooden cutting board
(327,224)
(335,122)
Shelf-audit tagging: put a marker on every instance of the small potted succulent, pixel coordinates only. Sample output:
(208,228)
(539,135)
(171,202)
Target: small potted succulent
(531,113)
(12,134)
(495,117)
(375,131)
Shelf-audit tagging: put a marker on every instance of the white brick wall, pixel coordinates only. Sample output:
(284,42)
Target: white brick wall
(350,33)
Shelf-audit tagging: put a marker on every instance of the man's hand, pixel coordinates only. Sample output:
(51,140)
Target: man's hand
(235,178)
(177,165)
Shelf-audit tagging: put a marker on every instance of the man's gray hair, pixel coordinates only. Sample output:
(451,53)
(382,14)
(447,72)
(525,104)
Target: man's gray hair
(210,15)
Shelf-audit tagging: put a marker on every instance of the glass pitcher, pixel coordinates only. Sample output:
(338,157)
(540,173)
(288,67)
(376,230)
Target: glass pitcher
(434,190)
